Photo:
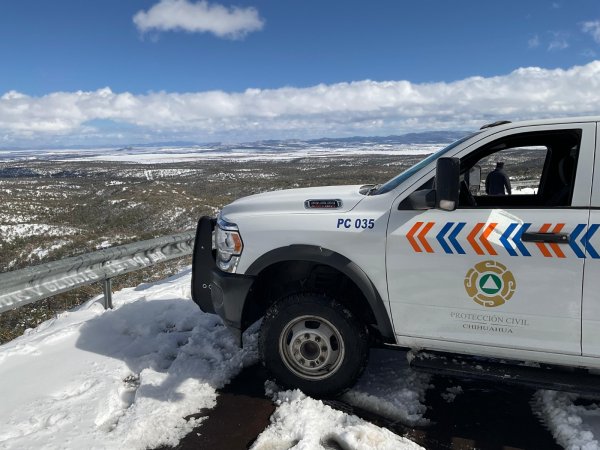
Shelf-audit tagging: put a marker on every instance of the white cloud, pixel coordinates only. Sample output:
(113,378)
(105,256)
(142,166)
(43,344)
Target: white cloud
(592,28)
(360,107)
(200,17)
(559,41)
(589,53)
(534,42)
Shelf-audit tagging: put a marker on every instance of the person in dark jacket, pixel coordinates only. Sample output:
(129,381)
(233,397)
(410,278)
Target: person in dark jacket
(497,181)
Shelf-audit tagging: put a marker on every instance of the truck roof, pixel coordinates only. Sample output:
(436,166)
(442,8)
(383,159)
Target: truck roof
(501,125)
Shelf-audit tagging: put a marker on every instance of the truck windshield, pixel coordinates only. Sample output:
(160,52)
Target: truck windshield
(399,179)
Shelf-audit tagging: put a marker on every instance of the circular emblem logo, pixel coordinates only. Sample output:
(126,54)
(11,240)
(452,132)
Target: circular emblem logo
(490,283)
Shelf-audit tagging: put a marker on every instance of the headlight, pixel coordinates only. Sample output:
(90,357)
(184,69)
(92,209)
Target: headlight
(229,245)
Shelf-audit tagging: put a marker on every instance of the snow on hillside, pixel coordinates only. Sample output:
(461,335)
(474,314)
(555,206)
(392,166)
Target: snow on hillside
(263,152)
(22,230)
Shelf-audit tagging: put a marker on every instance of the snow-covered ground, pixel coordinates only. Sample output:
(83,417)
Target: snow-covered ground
(241,154)
(42,252)
(129,377)
(157,155)
(22,230)
(124,378)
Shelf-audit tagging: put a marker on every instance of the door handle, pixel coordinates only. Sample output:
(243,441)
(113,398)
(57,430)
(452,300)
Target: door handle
(557,238)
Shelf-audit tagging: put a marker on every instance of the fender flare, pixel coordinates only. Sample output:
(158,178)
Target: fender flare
(328,257)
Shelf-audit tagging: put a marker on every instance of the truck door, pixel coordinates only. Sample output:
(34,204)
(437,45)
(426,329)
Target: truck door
(500,270)
(590,327)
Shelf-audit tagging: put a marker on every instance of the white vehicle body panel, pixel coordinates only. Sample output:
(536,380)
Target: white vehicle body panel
(590,327)
(291,201)
(264,232)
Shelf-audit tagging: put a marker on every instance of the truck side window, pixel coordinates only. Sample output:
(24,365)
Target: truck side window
(524,170)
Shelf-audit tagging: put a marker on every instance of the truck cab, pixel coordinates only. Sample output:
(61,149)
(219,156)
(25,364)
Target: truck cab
(427,261)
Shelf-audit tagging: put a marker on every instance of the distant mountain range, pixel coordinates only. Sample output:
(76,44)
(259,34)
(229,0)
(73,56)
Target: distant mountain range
(429,137)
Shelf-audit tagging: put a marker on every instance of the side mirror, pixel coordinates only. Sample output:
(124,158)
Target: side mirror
(447,183)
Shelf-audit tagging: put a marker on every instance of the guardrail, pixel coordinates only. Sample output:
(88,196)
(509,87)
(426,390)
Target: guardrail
(34,283)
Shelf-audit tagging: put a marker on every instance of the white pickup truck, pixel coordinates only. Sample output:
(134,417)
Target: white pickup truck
(426,261)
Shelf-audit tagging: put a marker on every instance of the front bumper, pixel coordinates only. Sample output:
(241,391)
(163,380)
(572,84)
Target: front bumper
(213,290)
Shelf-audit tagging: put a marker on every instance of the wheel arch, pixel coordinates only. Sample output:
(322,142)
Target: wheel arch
(311,256)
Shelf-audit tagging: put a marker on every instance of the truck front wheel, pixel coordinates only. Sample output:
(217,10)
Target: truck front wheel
(312,342)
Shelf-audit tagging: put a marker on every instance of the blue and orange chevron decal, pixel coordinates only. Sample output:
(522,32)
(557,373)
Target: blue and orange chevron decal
(584,243)
(506,239)
(553,246)
(477,238)
(451,241)
(483,239)
(421,237)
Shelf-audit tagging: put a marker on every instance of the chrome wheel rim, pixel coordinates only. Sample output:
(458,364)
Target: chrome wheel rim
(311,347)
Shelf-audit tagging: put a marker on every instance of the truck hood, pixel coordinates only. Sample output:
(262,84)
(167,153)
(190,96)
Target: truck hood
(293,201)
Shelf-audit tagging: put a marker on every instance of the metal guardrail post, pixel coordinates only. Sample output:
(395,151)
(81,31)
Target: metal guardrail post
(107,288)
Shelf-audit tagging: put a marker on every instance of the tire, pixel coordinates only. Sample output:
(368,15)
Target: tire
(313,343)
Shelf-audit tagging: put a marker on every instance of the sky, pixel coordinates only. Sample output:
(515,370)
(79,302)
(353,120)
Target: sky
(124,72)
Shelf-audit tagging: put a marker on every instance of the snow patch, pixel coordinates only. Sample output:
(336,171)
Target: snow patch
(575,427)
(103,244)
(41,252)
(524,191)
(304,423)
(22,230)
(451,393)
